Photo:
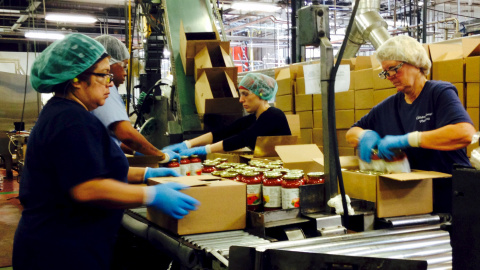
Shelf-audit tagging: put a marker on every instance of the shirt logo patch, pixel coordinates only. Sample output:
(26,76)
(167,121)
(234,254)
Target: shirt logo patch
(424,118)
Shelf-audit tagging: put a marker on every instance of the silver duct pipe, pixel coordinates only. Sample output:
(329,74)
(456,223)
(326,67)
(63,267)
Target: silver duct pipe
(369,26)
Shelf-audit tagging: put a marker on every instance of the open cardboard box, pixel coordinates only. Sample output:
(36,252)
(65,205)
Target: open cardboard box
(214,57)
(213,84)
(143,161)
(398,194)
(223,205)
(447,62)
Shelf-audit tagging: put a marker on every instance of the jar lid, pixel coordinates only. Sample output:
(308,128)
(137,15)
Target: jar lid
(217,173)
(261,170)
(228,174)
(194,156)
(315,174)
(184,157)
(292,176)
(174,160)
(223,166)
(250,173)
(210,163)
(273,174)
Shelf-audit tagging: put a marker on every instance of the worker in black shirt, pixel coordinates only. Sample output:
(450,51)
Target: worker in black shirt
(255,91)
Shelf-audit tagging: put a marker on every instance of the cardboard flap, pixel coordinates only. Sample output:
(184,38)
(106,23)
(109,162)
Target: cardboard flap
(363,62)
(192,181)
(298,153)
(416,175)
(282,73)
(223,105)
(294,124)
(471,47)
(265,145)
(440,52)
(347,162)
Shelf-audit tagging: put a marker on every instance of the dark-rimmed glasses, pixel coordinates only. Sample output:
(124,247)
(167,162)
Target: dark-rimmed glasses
(107,76)
(390,72)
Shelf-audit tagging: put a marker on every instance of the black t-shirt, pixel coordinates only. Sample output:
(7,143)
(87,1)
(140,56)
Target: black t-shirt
(67,146)
(437,105)
(244,131)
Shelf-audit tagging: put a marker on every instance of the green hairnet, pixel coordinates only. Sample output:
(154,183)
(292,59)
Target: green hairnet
(261,85)
(115,48)
(64,60)
(405,49)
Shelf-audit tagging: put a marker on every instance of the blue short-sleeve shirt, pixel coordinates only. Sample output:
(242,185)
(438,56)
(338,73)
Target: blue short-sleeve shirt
(437,105)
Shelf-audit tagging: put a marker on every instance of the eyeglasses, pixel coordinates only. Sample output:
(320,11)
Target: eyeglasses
(390,72)
(108,77)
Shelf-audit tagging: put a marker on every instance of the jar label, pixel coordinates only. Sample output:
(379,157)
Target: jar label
(272,196)
(254,194)
(196,168)
(177,169)
(290,198)
(185,169)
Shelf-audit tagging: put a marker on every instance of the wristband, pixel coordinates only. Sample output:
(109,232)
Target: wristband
(360,135)
(188,144)
(166,159)
(148,195)
(208,149)
(414,138)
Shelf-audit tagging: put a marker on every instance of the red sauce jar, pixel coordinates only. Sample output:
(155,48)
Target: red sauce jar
(217,173)
(230,175)
(222,167)
(291,190)
(315,178)
(208,167)
(272,191)
(261,171)
(173,164)
(195,165)
(254,189)
(185,166)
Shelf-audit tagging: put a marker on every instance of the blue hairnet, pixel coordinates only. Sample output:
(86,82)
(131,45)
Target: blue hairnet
(64,60)
(261,85)
(115,48)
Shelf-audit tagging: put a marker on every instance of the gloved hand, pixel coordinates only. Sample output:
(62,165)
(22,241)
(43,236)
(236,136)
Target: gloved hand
(176,147)
(390,142)
(138,154)
(168,199)
(368,141)
(200,150)
(171,155)
(159,172)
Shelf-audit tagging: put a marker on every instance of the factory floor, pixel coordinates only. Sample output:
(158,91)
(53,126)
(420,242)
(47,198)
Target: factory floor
(10,211)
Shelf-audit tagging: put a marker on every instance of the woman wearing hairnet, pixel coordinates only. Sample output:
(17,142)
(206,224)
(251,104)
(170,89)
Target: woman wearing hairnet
(255,91)
(425,118)
(74,184)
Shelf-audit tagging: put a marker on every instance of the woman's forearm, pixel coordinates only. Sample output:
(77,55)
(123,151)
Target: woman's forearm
(448,138)
(202,140)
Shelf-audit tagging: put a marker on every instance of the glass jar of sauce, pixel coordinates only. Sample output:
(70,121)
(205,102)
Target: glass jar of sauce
(291,190)
(195,165)
(254,189)
(217,173)
(272,191)
(185,166)
(315,178)
(222,166)
(229,175)
(208,167)
(173,164)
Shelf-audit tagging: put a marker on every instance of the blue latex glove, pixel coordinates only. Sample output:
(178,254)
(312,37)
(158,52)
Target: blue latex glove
(159,172)
(369,141)
(176,147)
(138,154)
(200,150)
(390,142)
(171,155)
(168,199)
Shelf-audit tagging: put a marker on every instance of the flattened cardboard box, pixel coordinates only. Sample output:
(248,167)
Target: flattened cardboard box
(223,206)
(282,76)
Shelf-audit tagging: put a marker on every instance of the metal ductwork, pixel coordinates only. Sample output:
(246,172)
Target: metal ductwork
(368,26)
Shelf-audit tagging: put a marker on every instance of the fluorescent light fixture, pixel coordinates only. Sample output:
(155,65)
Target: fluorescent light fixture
(9,11)
(70,18)
(44,35)
(255,6)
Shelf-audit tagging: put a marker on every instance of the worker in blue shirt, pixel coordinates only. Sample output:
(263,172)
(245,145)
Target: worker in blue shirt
(113,114)
(424,118)
(76,180)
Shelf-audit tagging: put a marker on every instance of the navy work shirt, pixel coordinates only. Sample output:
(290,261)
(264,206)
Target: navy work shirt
(68,146)
(244,131)
(437,105)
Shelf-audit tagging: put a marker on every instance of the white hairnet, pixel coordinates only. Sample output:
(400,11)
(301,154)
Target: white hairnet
(115,48)
(261,85)
(405,49)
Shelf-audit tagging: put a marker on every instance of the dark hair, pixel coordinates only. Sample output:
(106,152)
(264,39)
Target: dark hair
(65,87)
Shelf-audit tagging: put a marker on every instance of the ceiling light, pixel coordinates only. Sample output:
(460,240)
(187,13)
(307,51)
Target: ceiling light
(70,18)
(255,6)
(44,35)
(9,11)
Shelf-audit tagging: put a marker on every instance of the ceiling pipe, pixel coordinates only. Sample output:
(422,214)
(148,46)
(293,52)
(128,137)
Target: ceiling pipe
(271,17)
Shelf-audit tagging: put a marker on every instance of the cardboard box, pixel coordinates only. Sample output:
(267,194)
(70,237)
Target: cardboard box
(189,41)
(232,156)
(381,95)
(317,136)
(448,70)
(342,139)
(344,118)
(398,194)
(294,124)
(346,151)
(363,79)
(300,87)
(360,113)
(143,161)
(214,57)
(379,83)
(284,103)
(223,206)
(306,136)
(363,62)
(472,69)
(473,95)
(303,103)
(352,81)
(282,76)
(300,156)
(364,99)
(213,84)
(317,119)
(345,100)
(461,92)
(306,119)
(317,102)
(474,114)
